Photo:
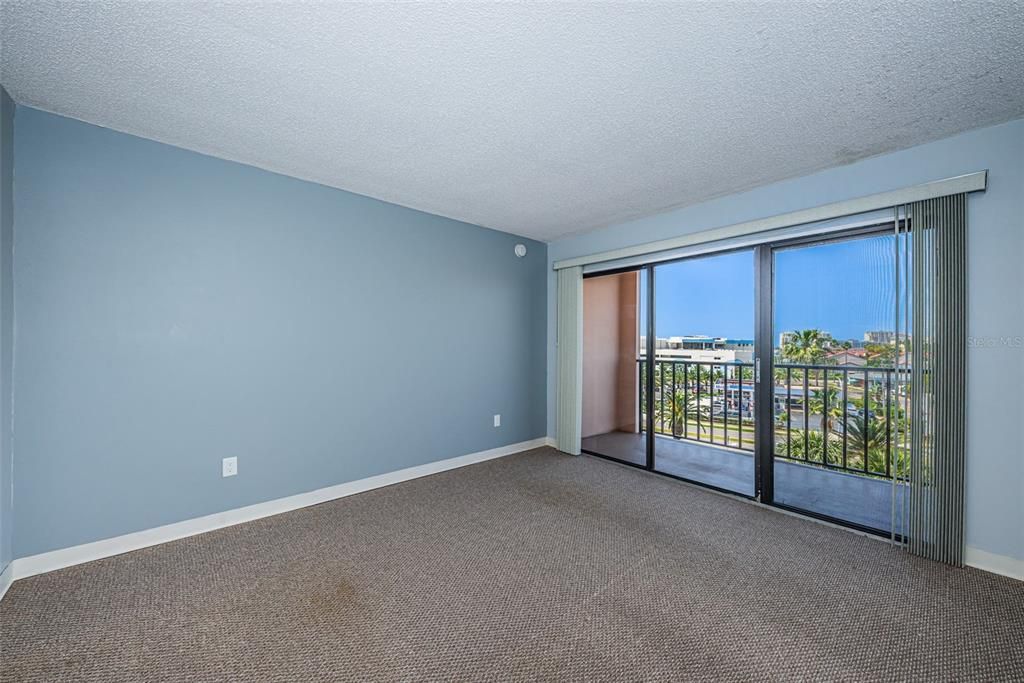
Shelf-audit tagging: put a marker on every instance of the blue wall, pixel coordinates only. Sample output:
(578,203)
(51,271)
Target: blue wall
(995,412)
(6,323)
(175,309)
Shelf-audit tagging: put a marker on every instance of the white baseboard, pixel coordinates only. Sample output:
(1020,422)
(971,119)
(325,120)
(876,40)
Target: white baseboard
(6,578)
(997,564)
(58,559)
(66,557)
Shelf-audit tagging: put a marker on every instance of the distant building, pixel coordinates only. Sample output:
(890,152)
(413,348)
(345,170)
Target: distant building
(857,358)
(827,340)
(879,337)
(700,348)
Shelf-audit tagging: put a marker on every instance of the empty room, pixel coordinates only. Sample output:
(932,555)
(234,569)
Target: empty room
(508,341)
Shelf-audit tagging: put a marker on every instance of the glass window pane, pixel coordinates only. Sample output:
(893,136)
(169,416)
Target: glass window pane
(834,405)
(703,370)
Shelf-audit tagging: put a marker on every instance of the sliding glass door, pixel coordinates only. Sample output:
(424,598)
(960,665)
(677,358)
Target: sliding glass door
(835,406)
(703,370)
(772,372)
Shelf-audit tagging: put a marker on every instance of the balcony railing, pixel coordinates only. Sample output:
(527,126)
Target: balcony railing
(842,418)
(837,417)
(702,401)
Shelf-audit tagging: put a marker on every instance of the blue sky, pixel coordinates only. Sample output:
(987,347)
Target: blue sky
(844,288)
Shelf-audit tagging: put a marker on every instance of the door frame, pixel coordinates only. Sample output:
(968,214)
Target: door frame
(764,317)
(764,356)
(766,310)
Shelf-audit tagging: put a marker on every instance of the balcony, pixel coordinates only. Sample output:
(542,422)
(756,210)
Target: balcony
(704,431)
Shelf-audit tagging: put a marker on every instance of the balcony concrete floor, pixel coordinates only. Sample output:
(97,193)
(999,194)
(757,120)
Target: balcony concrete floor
(865,501)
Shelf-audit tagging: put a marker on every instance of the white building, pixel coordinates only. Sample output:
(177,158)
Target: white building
(880,337)
(704,349)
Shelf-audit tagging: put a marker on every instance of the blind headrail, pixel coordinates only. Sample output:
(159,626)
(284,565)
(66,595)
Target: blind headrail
(970,182)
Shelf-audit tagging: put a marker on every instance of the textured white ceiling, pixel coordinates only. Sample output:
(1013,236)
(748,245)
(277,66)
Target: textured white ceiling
(541,119)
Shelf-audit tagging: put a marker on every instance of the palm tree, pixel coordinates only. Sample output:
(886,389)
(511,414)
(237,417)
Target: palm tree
(678,390)
(815,446)
(868,438)
(836,406)
(681,404)
(805,346)
(702,377)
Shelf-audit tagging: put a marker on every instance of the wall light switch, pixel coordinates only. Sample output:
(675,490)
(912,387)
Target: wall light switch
(497,420)
(229,467)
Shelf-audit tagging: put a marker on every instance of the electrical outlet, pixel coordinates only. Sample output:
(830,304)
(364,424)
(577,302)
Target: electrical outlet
(497,420)
(229,467)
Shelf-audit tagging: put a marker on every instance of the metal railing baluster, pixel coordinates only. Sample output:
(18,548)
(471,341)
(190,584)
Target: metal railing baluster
(867,411)
(725,405)
(846,411)
(824,418)
(672,399)
(789,412)
(661,398)
(699,425)
(686,399)
(888,423)
(807,414)
(739,404)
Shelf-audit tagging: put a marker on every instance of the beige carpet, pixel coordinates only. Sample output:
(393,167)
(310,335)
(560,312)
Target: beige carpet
(535,566)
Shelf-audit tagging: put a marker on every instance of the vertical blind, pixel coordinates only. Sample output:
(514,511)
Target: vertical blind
(569,340)
(933,237)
